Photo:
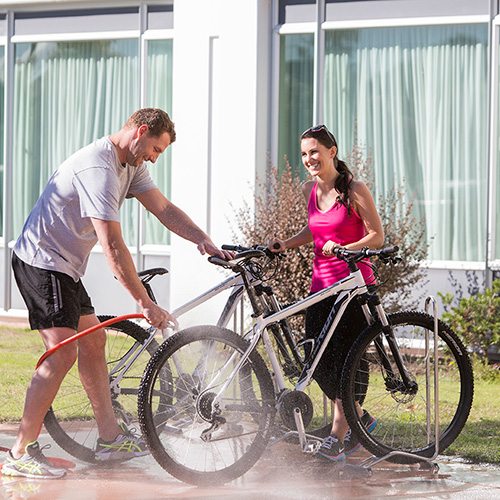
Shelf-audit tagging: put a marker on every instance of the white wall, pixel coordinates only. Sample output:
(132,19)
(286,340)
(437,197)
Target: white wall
(219,73)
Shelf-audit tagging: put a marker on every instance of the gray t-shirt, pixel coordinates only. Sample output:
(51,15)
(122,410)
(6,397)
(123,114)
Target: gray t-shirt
(58,234)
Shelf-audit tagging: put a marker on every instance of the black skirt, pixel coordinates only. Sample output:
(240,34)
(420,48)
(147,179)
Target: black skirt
(329,370)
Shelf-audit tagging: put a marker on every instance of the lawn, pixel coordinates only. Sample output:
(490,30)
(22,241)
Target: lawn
(479,441)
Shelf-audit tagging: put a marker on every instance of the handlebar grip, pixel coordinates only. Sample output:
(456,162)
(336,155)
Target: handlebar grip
(391,249)
(217,261)
(231,248)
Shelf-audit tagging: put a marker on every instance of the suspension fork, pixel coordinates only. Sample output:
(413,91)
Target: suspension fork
(408,383)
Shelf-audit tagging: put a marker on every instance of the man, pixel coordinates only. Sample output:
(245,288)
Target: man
(80,206)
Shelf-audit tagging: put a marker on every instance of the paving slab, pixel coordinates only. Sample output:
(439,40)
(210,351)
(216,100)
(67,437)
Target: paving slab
(284,472)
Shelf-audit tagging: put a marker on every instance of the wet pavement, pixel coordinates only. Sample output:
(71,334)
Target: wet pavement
(283,472)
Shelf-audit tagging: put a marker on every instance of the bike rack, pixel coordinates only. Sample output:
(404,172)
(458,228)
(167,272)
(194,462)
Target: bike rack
(424,461)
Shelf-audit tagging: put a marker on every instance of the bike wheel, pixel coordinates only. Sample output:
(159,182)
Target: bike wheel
(400,410)
(70,420)
(196,441)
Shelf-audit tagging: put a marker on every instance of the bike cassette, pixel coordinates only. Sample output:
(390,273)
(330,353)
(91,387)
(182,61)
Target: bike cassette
(288,401)
(205,408)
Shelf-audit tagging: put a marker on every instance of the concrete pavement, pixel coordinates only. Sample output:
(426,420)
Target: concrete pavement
(283,472)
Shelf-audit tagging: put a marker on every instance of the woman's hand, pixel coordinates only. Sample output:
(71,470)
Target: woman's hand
(276,245)
(328,247)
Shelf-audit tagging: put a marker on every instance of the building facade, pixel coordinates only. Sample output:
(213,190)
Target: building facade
(414,83)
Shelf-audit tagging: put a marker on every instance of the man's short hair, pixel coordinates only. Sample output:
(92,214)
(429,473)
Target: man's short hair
(156,119)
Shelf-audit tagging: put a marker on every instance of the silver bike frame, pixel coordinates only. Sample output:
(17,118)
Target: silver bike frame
(234,281)
(347,288)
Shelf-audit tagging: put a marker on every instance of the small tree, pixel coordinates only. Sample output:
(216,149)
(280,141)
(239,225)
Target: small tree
(280,210)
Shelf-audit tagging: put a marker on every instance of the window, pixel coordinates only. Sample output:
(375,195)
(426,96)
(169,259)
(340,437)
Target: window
(295,96)
(68,94)
(159,95)
(416,98)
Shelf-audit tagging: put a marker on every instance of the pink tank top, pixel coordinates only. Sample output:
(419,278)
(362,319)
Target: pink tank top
(337,225)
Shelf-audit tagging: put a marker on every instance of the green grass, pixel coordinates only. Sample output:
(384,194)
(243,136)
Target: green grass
(478,442)
(480,439)
(19,352)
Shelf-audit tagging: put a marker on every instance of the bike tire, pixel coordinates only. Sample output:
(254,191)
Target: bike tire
(248,413)
(401,413)
(70,420)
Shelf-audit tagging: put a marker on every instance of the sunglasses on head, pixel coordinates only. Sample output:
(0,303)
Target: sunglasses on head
(319,129)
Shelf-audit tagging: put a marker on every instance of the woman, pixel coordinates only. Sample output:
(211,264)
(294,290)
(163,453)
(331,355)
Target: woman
(341,213)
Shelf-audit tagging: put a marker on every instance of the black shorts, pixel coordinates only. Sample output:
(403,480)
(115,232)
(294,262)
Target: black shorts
(53,299)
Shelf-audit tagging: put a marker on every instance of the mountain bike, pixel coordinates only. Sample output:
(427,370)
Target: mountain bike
(219,420)
(129,346)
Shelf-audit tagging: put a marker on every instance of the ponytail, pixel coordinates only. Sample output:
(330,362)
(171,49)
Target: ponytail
(343,183)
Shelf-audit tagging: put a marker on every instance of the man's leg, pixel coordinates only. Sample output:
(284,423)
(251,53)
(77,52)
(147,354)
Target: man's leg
(44,386)
(114,443)
(94,376)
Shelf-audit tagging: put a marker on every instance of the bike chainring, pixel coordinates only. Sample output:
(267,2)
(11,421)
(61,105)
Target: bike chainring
(288,401)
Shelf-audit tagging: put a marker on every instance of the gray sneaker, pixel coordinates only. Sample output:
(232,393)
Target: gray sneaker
(32,464)
(332,449)
(124,447)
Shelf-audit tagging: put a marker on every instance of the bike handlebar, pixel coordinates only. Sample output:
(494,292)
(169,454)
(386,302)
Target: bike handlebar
(247,253)
(356,255)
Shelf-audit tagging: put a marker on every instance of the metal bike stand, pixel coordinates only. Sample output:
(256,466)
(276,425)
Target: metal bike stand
(424,461)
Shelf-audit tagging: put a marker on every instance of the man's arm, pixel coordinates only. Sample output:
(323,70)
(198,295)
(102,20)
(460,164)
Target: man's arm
(173,218)
(120,261)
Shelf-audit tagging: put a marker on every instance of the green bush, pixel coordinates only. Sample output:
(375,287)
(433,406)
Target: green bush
(476,319)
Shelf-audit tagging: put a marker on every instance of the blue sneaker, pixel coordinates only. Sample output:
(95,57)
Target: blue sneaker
(351,442)
(332,449)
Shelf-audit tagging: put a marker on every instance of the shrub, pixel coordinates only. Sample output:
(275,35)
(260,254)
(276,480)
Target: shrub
(280,210)
(476,319)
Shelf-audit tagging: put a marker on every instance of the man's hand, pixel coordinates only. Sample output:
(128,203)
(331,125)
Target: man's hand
(206,246)
(158,317)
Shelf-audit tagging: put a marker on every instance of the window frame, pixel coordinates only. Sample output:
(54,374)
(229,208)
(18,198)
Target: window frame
(321,26)
(142,35)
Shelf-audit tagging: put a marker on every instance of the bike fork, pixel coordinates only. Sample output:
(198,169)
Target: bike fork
(393,346)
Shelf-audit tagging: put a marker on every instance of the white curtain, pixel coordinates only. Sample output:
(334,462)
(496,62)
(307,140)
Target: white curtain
(159,95)
(68,94)
(416,98)
(295,96)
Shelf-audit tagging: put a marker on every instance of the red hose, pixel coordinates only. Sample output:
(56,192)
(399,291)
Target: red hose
(92,329)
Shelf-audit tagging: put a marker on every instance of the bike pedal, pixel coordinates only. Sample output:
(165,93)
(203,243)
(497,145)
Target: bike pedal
(312,447)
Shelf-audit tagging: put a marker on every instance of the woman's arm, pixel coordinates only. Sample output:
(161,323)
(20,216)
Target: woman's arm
(362,201)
